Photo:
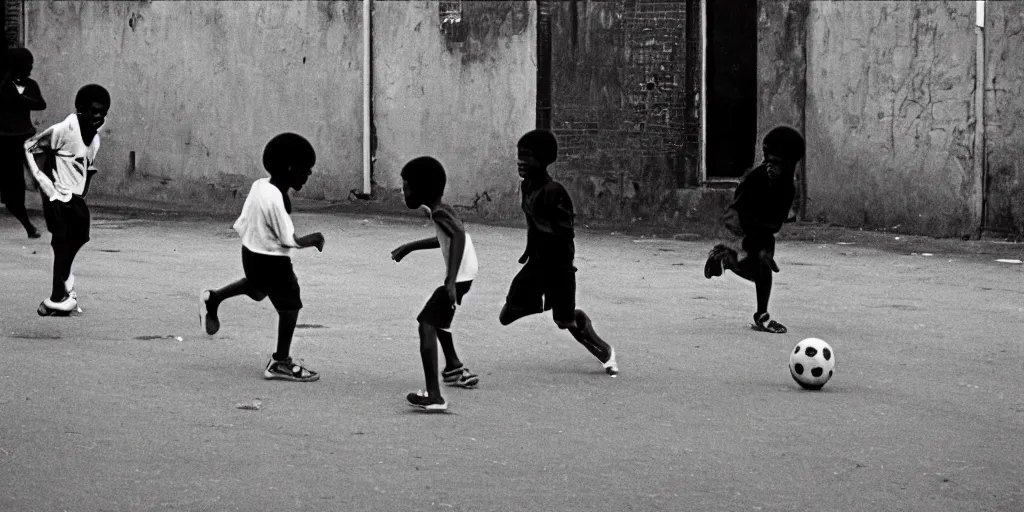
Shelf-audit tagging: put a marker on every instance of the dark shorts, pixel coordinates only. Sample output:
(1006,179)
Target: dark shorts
(538,288)
(12,170)
(67,222)
(754,244)
(271,276)
(438,311)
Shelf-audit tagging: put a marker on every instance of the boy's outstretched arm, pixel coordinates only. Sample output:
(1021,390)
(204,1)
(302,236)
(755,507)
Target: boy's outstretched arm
(418,245)
(311,240)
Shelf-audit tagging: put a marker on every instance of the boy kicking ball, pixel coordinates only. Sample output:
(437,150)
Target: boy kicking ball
(268,240)
(760,206)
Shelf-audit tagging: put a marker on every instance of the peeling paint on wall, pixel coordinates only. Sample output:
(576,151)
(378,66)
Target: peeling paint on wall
(198,88)
(890,93)
(1004,116)
(464,103)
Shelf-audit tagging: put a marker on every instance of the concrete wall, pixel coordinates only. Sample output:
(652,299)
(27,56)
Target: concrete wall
(781,66)
(1004,115)
(198,88)
(890,114)
(464,102)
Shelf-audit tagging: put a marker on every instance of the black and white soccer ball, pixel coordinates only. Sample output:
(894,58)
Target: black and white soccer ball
(812,363)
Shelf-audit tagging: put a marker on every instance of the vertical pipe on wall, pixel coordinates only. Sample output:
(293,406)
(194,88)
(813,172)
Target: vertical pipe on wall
(367,113)
(703,90)
(543,115)
(980,168)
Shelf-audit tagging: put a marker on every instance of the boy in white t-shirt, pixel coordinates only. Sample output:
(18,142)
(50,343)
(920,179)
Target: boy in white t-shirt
(71,147)
(423,181)
(268,240)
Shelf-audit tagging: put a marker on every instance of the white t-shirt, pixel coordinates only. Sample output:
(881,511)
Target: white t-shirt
(74,158)
(469,265)
(264,225)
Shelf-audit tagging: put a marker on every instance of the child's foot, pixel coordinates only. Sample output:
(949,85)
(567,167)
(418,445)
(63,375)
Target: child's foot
(69,286)
(714,267)
(62,308)
(460,377)
(208,317)
(289,370)
(764,323)
(428,403)
(610,366)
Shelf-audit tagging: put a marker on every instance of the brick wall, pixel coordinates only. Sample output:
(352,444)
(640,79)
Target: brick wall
(625,75)
(12,22)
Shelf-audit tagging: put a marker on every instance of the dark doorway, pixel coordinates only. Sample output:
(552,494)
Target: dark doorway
(731,87)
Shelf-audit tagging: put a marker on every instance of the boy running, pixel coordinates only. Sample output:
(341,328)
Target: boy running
(268,240)
(548,278)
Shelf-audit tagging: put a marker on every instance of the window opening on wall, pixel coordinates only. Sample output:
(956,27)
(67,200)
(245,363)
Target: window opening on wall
(452,24)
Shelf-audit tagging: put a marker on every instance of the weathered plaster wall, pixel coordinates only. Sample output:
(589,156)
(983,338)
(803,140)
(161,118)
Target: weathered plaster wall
(1004,115)
(465,103)
(781,66)
(198,88)
(890,113)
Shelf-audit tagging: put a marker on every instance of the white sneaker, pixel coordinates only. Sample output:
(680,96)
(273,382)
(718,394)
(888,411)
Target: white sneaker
(69,286)
(610,366)
(62,308)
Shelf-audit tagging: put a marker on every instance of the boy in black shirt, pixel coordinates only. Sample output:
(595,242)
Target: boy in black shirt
(548,278)
(760,206)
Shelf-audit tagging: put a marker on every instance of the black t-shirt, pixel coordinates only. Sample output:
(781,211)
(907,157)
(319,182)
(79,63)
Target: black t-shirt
(16,107)
(763,203)
(549,219)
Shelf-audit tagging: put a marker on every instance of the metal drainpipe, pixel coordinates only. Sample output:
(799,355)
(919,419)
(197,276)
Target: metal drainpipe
(367,95)
(980,169)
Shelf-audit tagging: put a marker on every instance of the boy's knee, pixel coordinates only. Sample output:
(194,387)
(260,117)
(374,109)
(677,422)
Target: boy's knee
(565,324)
(510,313)
(291,314)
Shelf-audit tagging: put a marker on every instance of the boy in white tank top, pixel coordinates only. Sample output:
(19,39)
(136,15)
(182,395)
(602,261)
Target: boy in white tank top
(423,181)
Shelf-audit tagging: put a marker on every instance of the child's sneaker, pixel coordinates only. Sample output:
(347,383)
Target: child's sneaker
(611,367)
(69,286)
(460,377)
(289,370)
(62,308)
(207,318)
(714,267)
(428,403)
(764,323)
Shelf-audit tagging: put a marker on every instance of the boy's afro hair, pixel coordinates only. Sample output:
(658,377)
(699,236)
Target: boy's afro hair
(426,177)
(542,143)
(288,150)
(89,94)
(19,58)
(785,142)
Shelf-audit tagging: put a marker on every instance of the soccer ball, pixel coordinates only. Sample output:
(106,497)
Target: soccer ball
(811,363)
